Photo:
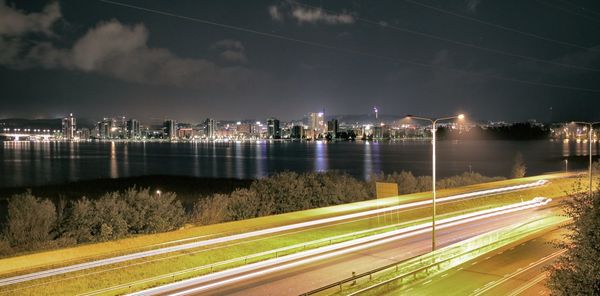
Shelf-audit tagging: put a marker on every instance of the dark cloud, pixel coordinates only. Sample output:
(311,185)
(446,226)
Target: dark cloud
(119,51)
(231,50)
(309,15)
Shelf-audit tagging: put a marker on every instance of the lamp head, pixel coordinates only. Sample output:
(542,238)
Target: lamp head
(461,116)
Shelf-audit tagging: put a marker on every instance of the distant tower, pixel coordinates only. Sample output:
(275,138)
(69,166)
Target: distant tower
(376,112)
(273,129)
(210,127)
(69,127)
(170,129)
(133,129)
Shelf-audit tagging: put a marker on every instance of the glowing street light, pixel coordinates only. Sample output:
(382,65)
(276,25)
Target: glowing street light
(590,126)
(158,192)
(434,122)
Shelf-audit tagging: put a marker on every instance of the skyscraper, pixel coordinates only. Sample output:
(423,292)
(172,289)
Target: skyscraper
(297,132)
(170,129)
(69,127)
(133,129)
(333,128)
(273,129)
(317,125)
(210,128)
(105,128)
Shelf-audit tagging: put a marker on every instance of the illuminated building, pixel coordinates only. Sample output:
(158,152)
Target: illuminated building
(69,127)
(273,129)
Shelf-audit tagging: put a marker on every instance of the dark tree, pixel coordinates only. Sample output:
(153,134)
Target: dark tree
(518,169)
(577,271)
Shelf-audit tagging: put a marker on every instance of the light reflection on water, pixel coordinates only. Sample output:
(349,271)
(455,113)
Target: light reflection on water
(31,163)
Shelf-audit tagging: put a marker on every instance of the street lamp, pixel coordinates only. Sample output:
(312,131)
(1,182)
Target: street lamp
(434,122)
(590,130)
(158,192)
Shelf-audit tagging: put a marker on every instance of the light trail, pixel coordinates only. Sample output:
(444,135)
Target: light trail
(182,247)
(306,257)
(507,277)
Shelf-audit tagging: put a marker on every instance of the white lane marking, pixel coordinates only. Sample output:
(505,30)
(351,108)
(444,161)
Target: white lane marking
(518,272)
(118,259)
(226,277)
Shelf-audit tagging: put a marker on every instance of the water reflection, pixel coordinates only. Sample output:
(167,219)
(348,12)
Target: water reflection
(114,171)
(30,163)
(261,157)
(321,156)
(566,149)
(368,161)
(239,161)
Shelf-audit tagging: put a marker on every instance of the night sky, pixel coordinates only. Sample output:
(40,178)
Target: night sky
(494,60)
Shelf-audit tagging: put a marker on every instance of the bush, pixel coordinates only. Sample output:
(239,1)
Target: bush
(465,179)
(243,204)
(211,209)
(281,193)
(30,222)
(577,271)
(408,183)
(518,169)
(148,213)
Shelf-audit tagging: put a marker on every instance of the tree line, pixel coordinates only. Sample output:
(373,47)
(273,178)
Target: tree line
(35,223)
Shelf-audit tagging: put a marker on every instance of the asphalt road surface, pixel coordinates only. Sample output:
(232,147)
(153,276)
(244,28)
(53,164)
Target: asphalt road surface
(517,270)
(301,278)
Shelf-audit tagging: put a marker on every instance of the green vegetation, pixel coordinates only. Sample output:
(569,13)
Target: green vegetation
(518,169)
(34,223)
(392,280)
(164,265)
(118,214)
(408,183)
(577,271)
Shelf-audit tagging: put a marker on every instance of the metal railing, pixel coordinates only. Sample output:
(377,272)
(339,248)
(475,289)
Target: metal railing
(412,264)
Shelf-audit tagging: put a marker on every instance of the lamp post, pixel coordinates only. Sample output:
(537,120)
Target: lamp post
(566,165)
(590,126)
(434,122)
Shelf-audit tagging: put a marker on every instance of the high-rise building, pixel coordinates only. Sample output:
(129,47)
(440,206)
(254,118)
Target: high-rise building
(83,133)
(297,132)
(317,125)
(133,129)
(105,128)
(333,128)
(69,127)
(210,128)
(170,129)
(273,129)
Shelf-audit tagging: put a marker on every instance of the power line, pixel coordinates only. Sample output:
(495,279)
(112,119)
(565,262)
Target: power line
(346,50)
(568,11)
(580,7)
(501,27)
(432,36)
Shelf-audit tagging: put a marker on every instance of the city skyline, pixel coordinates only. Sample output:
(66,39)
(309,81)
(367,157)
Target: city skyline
(284,57)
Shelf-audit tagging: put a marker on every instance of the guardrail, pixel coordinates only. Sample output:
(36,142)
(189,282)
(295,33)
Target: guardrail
(412,267)
(254,257)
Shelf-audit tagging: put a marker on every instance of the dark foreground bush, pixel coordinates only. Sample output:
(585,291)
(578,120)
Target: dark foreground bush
(33,223)
(281,193)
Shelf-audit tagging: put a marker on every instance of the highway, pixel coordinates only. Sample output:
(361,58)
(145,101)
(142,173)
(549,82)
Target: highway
(300,275)
(515,270)
(257,233)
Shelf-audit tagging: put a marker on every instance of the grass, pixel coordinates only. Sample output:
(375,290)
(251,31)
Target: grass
(87,252)
(126,272)
(450,257)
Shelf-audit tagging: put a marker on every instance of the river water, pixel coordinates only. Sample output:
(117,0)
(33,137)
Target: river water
(37,163)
